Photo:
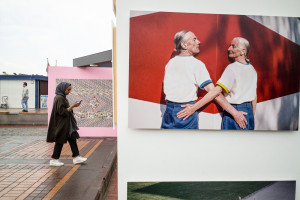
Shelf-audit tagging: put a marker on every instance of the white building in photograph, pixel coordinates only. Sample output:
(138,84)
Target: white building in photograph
(11,87)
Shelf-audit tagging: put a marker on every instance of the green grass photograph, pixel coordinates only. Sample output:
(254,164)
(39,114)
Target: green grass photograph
(192,190)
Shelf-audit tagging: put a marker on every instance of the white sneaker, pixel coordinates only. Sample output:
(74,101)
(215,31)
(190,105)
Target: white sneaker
(56,163)
(78,160)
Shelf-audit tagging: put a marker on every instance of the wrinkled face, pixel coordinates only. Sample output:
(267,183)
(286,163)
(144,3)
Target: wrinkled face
(234,51)
(191,43)
(68,90)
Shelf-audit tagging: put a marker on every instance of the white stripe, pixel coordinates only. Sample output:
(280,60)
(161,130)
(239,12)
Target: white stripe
(148,115)
(277,114)
(288,27)
(134,13)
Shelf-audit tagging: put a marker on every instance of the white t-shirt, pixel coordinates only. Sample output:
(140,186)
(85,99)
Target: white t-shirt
(183,76)
(239,81)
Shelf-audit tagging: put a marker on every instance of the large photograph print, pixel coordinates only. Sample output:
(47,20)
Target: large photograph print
(196,71)
(96,108)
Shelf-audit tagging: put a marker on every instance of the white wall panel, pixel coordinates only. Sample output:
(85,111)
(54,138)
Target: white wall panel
(13,89)
(193,155)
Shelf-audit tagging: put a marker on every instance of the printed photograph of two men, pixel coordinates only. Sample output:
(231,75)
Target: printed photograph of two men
(213,71)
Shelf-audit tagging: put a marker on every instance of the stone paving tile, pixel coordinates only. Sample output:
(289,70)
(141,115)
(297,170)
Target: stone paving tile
(35,181)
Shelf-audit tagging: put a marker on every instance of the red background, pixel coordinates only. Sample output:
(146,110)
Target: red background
(275,58)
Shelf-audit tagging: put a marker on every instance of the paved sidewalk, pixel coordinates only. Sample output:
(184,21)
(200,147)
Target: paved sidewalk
(25,172)
(282,190)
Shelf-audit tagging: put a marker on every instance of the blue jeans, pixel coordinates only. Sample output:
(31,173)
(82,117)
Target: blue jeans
(171,121)
(24,103)
(228,122)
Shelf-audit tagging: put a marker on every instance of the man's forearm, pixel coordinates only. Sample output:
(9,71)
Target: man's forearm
(211,95)
(221,100)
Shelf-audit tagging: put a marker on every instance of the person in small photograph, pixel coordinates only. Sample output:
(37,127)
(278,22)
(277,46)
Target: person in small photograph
(25,97)
(238,83)
(63,126)
(184,74)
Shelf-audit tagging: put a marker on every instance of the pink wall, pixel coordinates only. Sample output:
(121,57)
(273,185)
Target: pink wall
(80,73)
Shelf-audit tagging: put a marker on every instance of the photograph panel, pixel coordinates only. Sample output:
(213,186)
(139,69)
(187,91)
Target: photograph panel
(236,190)
(274,46)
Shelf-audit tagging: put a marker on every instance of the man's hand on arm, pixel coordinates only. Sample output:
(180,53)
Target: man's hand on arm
(188,111)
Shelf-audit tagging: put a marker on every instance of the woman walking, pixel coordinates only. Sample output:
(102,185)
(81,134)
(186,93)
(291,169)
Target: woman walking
(63,126)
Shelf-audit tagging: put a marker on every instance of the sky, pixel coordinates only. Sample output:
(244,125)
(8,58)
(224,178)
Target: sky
(33,30)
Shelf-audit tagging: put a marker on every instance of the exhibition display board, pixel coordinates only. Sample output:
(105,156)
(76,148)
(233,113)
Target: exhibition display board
(149,154)
(93,86)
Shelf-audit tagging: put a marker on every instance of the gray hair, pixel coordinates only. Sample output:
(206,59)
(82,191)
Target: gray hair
(244,43)
(178,39)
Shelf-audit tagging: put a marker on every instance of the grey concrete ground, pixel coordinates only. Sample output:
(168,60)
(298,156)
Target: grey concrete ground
(23,131)
(276,191)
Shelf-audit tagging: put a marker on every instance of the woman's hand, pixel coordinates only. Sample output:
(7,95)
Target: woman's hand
(188,111)
(76,104)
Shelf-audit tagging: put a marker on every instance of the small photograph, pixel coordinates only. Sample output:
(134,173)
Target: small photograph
(44,101)
(213,71)
(244,190)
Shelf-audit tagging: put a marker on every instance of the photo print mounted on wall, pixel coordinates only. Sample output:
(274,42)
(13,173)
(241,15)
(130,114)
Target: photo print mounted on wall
(94,86)
(213,58)
(235,190)
(96,109)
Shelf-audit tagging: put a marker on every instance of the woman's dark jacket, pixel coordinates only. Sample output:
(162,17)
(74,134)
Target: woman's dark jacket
(59,125)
